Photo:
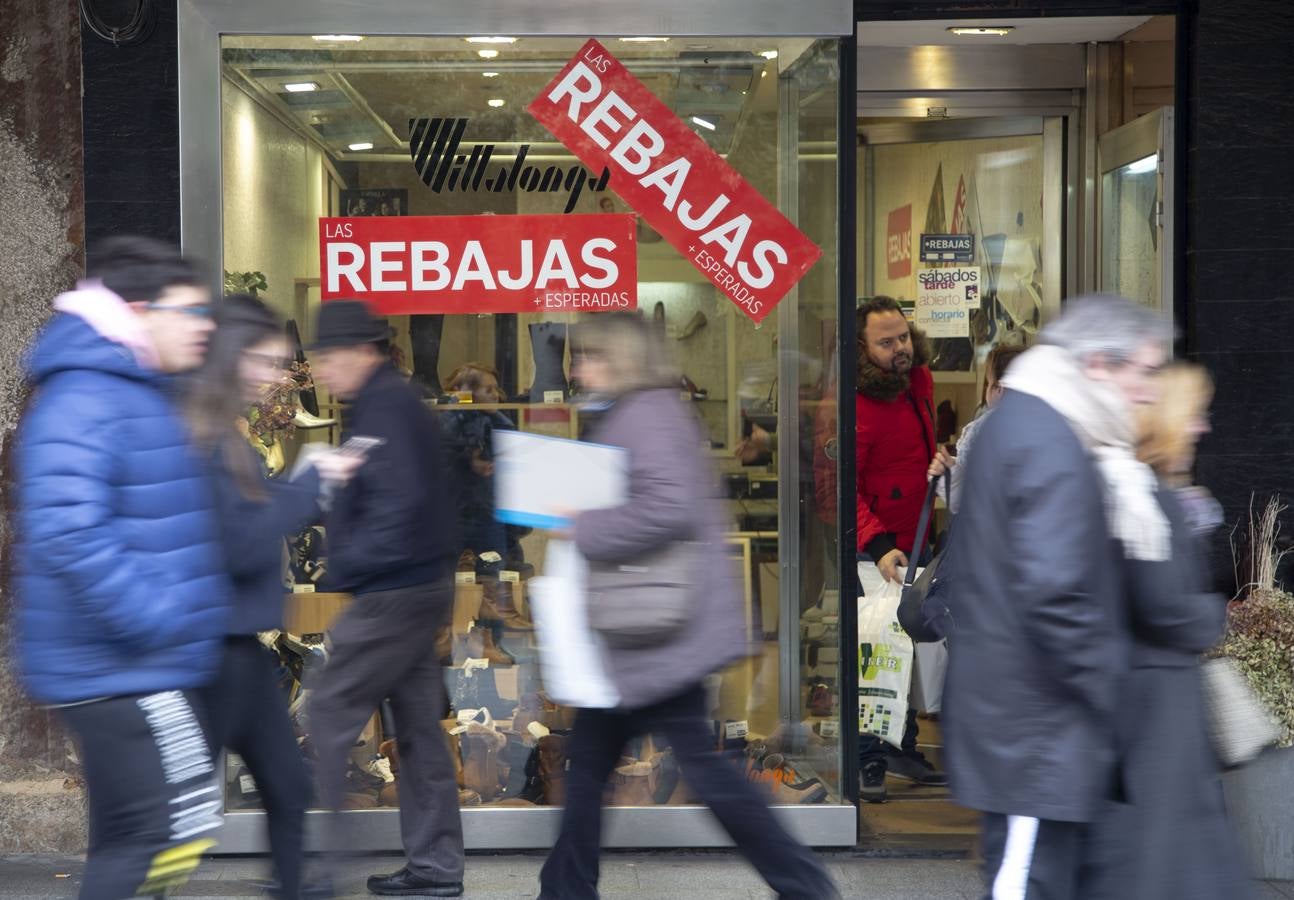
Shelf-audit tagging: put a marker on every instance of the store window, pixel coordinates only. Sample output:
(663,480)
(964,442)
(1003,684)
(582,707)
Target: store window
(361,126)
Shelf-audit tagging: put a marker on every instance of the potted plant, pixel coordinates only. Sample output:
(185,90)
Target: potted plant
(1260,639)
(245,283)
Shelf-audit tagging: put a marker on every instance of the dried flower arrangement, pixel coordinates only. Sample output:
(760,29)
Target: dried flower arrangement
(273,416)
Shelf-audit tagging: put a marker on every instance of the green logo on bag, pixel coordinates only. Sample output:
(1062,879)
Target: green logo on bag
(874,659)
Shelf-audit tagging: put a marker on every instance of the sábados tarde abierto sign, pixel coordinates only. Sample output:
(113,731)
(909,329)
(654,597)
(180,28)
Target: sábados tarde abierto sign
(945,298)
(683,189)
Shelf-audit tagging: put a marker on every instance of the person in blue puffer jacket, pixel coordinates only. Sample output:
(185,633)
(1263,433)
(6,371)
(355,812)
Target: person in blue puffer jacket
(122,598)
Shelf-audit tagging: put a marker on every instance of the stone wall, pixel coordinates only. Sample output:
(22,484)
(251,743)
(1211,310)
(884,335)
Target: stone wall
(41,253)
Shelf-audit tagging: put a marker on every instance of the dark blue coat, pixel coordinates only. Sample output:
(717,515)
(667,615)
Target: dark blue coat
(1041,641)
(121,586)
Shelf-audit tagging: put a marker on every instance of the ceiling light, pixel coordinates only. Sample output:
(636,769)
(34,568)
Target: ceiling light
(362,145)
(496,102)
(703,123)
(300,87)
(982,30)
(768,54)
(337,37)
(643,40)
(491,40)
(487,54)
(489,74)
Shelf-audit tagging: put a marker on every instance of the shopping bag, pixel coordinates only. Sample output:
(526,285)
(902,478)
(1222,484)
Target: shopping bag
(928,673)
(572,658)
(885,657)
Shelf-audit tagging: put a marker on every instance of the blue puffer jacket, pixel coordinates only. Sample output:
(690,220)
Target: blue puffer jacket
(121,586)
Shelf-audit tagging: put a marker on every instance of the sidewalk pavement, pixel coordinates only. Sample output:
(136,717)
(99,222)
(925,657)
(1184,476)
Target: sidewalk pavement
(660,875)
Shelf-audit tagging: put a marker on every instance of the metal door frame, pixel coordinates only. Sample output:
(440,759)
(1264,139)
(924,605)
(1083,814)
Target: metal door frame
(201,23)
(1148,135)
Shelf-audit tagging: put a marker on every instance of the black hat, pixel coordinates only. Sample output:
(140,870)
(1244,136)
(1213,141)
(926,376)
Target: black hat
(348,323)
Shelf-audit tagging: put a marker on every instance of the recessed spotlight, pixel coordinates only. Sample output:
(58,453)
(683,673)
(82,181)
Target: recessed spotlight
(982,30)
(643,40)
(491,39)
(496,102)
(300,87)
(489,74)
(704,123)
(768,54)
(337,37)
(487,54)
(362,145)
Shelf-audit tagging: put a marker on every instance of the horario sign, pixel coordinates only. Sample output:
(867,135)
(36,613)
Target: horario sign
(682,188)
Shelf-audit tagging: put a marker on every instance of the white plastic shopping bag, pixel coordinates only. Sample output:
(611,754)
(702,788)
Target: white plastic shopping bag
(928,677)
(885,657)
(571,655)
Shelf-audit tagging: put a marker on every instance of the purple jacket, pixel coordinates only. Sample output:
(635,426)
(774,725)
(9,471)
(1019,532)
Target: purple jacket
(672,495)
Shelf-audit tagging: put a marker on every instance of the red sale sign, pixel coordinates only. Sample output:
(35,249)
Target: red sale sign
(481,264)
(700,204)
(898,243)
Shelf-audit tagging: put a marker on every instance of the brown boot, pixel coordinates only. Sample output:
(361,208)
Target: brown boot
(455,750)
(552,768)
(635,784)
(481,745)
(389,795)
(491,651)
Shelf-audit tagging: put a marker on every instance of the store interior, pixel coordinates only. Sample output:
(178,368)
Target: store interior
(333,125)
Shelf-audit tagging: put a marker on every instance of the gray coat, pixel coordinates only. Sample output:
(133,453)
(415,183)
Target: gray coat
(1040,639)
(672,495)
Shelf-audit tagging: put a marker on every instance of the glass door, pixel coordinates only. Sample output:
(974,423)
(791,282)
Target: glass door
(1135,211)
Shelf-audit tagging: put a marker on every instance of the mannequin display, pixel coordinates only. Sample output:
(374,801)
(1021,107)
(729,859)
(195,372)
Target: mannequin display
(548,343)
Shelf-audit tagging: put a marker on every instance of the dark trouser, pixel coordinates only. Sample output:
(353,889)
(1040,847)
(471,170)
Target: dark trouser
(151,789)
(1032,859)
(872,749)
(248,714)
(571,872)
(383,646)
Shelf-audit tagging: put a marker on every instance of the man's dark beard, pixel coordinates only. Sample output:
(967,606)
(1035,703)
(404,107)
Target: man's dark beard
(880,384)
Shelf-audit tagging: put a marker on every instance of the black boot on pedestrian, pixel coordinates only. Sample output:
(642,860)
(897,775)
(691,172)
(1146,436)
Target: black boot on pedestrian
(406,884)
(873,790)
(916,768)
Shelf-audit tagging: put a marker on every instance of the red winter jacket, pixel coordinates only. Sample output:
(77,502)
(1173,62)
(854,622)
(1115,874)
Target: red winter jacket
(895,443)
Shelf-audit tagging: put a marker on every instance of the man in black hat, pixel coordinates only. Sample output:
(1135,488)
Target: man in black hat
(391,546)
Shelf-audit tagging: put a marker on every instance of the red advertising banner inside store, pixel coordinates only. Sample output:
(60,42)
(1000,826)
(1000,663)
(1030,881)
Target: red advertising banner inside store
(481,264)
(682,188)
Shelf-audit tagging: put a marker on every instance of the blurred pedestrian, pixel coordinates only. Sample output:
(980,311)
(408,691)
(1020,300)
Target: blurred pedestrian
(995,368)
(1054,497)
(122,597)
(392,545)
(1169,837)
(895,449)
(248,357)
(671,497)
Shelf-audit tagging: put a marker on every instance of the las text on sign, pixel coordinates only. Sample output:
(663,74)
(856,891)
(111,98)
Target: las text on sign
(481,264)
(681,187)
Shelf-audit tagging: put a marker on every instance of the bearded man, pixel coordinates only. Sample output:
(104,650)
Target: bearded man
(895,439)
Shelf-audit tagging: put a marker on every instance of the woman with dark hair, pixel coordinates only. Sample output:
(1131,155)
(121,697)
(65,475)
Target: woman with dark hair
(248,354)
(670,498)
(999,359)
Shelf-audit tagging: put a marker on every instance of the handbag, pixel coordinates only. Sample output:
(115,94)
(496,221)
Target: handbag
(645,602)
(1240,727)
(922,614)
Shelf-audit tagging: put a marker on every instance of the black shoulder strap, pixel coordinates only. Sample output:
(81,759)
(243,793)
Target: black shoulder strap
(923,528)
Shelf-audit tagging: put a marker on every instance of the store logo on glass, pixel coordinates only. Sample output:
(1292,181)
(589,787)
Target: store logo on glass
(435,145)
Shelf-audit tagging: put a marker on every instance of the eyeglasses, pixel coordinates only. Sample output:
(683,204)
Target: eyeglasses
(199,312)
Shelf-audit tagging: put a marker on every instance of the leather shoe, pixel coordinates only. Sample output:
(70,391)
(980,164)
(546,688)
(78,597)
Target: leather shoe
(408,884)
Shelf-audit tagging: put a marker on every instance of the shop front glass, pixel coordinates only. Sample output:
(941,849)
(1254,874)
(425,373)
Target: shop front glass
(362,126)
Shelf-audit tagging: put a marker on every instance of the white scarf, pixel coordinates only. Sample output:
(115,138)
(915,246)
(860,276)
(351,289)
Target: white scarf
(1103,422)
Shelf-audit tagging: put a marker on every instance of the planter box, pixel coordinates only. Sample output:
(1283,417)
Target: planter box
(1260,800)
